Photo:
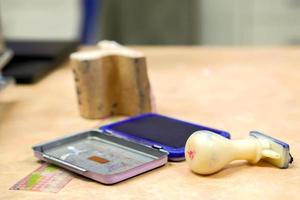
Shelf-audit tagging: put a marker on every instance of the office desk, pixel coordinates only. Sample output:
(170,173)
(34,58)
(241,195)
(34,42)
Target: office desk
(237,90)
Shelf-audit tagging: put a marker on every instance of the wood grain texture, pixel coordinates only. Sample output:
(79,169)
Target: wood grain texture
(236,89)
(111,80)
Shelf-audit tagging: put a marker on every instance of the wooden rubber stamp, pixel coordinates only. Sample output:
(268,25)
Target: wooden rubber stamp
(207,152)
(111,80)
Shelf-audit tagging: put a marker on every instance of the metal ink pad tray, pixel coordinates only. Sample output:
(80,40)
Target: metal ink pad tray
(100,156)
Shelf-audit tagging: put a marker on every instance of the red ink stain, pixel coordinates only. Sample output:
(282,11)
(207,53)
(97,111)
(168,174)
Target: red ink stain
(191,154)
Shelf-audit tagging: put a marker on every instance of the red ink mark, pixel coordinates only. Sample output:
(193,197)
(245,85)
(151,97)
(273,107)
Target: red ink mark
(191,154)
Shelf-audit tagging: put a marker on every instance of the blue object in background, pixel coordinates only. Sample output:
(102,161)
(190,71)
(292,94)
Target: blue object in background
(91,21)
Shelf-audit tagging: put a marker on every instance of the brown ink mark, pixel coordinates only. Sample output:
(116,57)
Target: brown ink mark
(115,105)
(76,78)
(87,66)
(100,107)
(138,83)
(78,91)
(74,71)
(98,159)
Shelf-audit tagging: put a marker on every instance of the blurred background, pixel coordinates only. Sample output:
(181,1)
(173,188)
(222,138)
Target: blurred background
(193,22)
(41,33)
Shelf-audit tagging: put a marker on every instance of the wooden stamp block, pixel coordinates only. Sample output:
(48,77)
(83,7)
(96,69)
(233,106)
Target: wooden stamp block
(111,80)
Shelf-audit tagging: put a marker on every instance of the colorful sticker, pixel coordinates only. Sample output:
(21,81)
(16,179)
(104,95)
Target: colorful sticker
(46,178)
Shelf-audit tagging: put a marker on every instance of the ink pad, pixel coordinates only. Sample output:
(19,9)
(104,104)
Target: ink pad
(158,131)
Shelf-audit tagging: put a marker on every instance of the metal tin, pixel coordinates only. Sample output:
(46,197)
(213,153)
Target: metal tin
(102,157)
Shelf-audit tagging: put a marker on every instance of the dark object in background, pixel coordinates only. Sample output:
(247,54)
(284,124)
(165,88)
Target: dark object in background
(34,59)
(169,22)
(5,56)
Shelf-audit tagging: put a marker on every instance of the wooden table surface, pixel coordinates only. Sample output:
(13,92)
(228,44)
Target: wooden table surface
(235,89)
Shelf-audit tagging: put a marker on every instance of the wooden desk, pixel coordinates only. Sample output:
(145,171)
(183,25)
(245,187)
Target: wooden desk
(237,90)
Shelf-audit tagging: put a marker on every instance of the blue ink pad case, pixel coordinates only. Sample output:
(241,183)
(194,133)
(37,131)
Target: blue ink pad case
(158,131)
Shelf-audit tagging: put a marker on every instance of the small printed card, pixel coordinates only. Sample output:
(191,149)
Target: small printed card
(46,178)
